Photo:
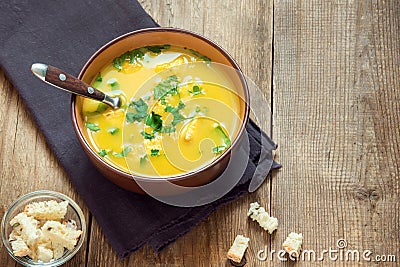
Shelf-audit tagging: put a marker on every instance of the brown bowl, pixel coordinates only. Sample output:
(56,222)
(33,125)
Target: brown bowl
(148,37)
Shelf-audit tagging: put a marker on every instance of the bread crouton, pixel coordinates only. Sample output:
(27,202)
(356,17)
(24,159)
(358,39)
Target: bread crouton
(58,250)
(28,227)
(292,244)
(19,247)
(257,213)
(236,252)
(44,253)
(61,234)
(47,210)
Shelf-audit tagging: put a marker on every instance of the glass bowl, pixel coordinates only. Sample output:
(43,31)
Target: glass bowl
(73,212)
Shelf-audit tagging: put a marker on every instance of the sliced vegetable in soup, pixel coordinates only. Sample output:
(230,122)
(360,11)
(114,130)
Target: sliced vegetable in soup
(172,121)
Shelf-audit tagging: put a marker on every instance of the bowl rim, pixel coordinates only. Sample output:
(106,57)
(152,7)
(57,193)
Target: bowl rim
(182,176)
(43,193)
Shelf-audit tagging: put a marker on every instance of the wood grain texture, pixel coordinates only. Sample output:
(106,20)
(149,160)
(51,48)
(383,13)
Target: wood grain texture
(244,29)
(26,163)
(336,114)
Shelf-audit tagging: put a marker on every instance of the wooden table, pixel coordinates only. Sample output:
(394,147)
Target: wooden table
(332,72)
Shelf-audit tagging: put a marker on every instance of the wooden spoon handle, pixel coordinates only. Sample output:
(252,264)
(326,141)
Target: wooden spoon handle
(66,81)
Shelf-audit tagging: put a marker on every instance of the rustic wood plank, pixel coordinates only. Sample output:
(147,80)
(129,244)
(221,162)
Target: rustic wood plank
(26,163)
(336,116)
(244,29)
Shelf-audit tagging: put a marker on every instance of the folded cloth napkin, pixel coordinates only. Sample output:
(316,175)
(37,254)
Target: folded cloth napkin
(66,34)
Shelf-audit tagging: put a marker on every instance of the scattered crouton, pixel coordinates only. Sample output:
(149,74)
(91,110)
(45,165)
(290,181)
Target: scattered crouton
(257,213)
(292,244)
(236,252)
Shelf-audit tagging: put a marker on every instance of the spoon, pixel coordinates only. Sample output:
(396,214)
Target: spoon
(62,80)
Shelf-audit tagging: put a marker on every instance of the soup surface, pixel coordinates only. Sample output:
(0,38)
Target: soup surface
(179,113)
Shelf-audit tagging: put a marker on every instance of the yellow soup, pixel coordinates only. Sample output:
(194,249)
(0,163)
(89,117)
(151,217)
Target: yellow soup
(180,112)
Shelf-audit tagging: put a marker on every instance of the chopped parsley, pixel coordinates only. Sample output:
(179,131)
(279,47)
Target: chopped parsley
(103,153)
(219,149)
(154,121)
(157,48)
(99,78)
(113,83)
(143,160)
(113,130)
(141,108)
(102,107)
(147,135)
(202,57)
(227,141)
(124,152)
(165,87)
(178,117)
(92,126)
(155,152)
(132,117)
(137,54)
(197,90)
(168,129)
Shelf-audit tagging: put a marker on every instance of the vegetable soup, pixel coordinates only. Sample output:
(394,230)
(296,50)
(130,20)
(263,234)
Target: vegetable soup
(180,112)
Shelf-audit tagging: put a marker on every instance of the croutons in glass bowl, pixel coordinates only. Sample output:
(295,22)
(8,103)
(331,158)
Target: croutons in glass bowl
(43,228)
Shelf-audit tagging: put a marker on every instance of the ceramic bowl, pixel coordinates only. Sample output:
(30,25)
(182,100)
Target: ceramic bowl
(148,37)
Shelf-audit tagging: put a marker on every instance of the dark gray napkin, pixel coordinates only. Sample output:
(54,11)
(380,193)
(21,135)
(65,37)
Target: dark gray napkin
(66,34)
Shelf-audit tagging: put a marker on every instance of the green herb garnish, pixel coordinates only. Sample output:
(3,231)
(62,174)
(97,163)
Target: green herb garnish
(137,54)
(147,135)
(103,153)
(141,108)
(99,78)
(157,48)
(132,117)
(143,160)
(102,107)
(196,91)
(202,57)
(154,121)
(219,149)
(124,152)
(114,84)
(119,61)
(155,152)
(92,126)
(168,129)
(15,225)
(113,130)
(227,140)
(178,117)
(167,86)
